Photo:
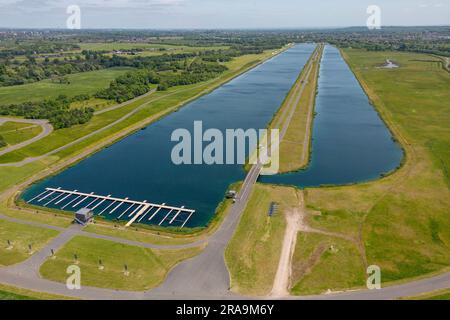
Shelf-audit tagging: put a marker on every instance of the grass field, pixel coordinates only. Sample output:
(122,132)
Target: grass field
(94,103)
(13,293)
(110,46)
(403,220)
(16,132)
(5,295)
(149,49)
(147,268)
(436,295)
(7,208)
(20,237)
(295,147)
(80,83)
(322,263)
(138,235)
(252,255)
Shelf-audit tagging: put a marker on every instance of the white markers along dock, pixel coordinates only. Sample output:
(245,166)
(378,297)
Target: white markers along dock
(108,205)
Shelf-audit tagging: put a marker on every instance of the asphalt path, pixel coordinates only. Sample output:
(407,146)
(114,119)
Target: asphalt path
(47,128)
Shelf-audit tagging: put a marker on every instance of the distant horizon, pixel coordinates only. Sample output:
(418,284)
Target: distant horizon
(220,14)
(219,29)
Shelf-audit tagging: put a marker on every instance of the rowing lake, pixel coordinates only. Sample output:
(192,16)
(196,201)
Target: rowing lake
(350,142)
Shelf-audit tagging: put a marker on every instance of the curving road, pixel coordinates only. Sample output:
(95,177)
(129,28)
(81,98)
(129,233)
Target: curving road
(47,128)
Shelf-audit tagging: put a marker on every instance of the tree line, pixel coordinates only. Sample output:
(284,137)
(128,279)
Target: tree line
(57,111)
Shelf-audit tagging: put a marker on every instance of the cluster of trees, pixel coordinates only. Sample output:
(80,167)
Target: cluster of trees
(31,47)
(17,73)
(54,63)
(57,111)
(137,83)
(30,70)
(129,86)
(197,71)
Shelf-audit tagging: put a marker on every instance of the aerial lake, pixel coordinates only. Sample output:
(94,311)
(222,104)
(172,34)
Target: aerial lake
(350,144)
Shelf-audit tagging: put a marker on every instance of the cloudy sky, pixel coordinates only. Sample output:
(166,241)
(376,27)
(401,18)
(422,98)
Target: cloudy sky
(160,14)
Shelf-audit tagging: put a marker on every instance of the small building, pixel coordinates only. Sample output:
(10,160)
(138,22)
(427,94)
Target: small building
(83,216)
(231,194)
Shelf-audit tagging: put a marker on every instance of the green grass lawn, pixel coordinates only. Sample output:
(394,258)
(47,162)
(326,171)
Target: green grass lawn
(13,293)
(294,155)
(435,295)
(36,215)
(5,295)
(150,49)
(80,83)
(94,103)
(252,255)
(139,235)
(404,218)
(147,268)
(21,236)
(16,132)
(322,263)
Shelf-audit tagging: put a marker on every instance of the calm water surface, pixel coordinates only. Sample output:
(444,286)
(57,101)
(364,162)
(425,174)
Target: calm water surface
(350,142)
(139,167)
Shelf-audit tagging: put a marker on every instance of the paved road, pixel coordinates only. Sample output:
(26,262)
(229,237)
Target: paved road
(124,104)
(47,128)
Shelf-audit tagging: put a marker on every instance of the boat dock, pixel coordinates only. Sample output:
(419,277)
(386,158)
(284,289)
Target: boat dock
(119,208)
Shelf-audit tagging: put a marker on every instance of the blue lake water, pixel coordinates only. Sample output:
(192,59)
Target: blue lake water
(139,166)
(350,142)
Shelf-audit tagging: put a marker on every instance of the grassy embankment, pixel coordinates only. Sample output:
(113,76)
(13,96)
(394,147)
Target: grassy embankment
(147,268)
(401,221)
(253,253)
(13,293)
(436,295)
(80,83)
(20,237)
(17,132)
(322,263)
(295,147)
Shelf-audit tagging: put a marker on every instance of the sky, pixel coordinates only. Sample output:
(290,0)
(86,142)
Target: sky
(219,14)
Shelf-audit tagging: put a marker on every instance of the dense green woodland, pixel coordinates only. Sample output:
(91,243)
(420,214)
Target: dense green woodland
(58,111)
